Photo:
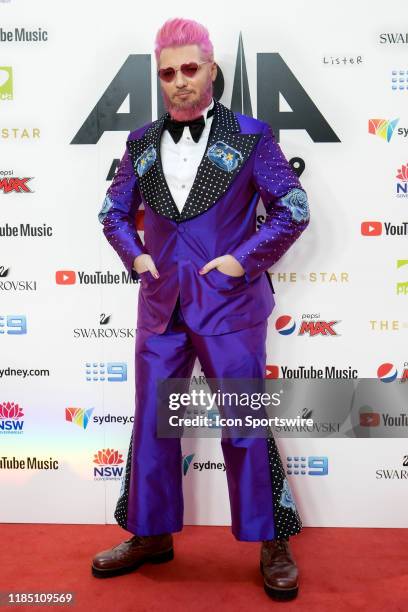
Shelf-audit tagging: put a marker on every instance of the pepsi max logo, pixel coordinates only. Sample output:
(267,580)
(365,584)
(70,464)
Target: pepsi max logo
(312,326)
(387,372)
(285,325)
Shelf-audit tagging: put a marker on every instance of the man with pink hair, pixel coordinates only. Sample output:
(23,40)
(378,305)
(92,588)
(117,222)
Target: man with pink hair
(205,293)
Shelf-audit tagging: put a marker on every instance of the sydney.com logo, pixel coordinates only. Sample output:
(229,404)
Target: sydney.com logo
(385,128)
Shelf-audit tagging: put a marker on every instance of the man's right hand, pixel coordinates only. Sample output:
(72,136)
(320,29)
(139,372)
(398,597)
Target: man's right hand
(144,263)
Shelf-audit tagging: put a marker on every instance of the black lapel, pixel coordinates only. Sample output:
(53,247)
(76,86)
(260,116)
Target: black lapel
(226,153)
(212,180)
(152,183)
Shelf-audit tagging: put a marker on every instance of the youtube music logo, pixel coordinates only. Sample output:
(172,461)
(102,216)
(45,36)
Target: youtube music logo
(378,228)
(98,277)
(65,277)
(369,419)
(371,228)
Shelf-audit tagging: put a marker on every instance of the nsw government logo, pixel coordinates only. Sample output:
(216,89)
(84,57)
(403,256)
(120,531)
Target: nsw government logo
(109,464)
(402,184)
(11,418)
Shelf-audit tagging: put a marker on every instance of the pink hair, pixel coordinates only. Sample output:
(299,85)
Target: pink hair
(178,32)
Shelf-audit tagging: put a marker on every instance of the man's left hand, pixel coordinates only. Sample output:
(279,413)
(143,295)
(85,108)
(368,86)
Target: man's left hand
(226,264)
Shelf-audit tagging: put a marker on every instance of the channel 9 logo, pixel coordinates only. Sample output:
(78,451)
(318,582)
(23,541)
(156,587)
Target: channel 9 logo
(307,466)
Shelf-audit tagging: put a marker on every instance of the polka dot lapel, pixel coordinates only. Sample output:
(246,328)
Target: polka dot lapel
(226,153)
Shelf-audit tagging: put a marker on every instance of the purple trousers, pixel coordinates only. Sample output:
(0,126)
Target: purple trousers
(151,497)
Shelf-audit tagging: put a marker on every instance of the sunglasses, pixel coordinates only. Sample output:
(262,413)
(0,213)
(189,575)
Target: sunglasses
(189,70)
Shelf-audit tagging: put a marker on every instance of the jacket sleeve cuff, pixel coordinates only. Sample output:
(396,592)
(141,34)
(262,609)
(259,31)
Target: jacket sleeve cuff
(128,262)
(252,269)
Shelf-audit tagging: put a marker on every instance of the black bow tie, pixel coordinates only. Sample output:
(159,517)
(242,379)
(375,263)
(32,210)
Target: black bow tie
(196,126)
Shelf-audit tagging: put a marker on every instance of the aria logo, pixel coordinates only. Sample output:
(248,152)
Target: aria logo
(286,325)
(108,462)
(274,80)
(10,418)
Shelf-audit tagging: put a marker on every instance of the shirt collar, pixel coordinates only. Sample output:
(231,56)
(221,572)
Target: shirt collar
(205,111)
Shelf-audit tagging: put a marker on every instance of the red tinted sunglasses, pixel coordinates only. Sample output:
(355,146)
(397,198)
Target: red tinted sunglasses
(189,70)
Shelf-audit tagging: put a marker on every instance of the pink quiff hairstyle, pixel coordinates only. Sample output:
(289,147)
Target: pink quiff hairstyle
(178,32)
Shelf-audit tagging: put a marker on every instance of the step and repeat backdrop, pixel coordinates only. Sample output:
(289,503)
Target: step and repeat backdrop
(75,79)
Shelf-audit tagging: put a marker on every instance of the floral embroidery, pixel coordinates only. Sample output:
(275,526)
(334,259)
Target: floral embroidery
(286,496)
(296,202)
(106,206)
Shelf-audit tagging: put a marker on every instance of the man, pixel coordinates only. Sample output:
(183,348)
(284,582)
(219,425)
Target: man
(205,292)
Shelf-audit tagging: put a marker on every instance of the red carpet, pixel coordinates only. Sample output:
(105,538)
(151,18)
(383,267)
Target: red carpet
(341,570)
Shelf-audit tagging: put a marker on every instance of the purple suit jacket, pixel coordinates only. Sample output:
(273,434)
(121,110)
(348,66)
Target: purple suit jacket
(242,161)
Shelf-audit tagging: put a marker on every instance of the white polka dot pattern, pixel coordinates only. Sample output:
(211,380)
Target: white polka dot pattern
(286,518)
(211,181)
(274,179)
(122,504)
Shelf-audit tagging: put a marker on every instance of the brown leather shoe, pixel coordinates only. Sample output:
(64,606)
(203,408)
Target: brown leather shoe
(132,553)
(279,570)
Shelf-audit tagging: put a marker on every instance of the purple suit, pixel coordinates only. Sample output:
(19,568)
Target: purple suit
(218,318)
(219,217)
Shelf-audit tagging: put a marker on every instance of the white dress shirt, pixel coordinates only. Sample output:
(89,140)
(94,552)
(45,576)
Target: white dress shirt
(180,160)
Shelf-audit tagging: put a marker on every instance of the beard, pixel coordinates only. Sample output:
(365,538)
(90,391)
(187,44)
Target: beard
(186,111)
